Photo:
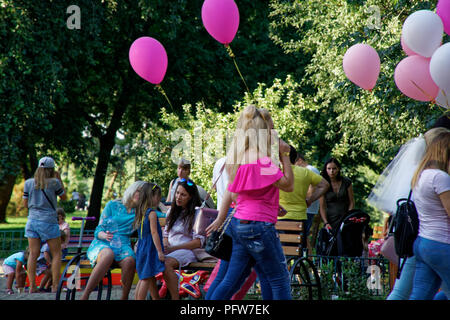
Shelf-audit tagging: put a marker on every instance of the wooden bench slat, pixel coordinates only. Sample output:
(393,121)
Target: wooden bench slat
(289,225)
(291,251)
(198,265)
(291,238)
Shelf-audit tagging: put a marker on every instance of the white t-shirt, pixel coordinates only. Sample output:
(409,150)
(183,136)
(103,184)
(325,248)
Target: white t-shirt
(434,222)
(222,183)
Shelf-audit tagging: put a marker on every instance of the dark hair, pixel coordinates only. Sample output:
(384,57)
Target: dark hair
(300,156)
(187,215)
(443,122)
(292,154)
(324,170)
(60,212)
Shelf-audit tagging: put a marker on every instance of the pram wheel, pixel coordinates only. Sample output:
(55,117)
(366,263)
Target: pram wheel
(305,280)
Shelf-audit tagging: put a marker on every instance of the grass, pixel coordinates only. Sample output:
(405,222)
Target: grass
(20,222)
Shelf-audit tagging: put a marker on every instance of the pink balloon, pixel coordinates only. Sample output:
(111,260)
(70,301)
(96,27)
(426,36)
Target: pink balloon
(405,48)
(361,65)
(148,59)
(413,79)
(443,11)
(221,19)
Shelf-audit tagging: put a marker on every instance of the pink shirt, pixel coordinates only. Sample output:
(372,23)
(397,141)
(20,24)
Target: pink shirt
(65,227)
(258,198)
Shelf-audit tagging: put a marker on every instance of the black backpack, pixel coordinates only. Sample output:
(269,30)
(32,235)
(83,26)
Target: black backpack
(405,227)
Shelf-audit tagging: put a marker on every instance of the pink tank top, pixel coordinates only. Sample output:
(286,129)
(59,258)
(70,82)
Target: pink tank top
(258,198)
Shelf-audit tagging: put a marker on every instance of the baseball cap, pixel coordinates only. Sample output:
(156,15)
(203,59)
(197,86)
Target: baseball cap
(46,162)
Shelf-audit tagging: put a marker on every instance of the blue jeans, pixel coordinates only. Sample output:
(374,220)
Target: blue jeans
(403,286)
(432,269)
(255,244)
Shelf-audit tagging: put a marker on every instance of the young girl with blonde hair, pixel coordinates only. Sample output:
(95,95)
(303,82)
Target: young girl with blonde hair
(149,254)
(254,185)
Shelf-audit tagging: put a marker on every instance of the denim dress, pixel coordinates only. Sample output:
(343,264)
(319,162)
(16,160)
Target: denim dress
(147,261)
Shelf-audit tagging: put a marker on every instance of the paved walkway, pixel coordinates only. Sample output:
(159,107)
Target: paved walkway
(115,294)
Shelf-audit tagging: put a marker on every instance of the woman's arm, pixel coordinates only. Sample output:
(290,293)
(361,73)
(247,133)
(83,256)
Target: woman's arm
(318,191)
(323,211)
(286,183)
(225,206)
(99,232)
(190,245)
(445,199)
(351,199)
(63,197)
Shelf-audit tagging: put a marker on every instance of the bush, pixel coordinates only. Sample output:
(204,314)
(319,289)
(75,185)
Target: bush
(68,206)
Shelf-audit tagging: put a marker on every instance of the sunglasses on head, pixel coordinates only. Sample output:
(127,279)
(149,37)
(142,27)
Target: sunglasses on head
(188,182)
(155,186)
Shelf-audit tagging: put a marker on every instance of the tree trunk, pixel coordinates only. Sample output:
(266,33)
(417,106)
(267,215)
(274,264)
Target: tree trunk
(95,201)
(107,142)
(6,188)
(113,179)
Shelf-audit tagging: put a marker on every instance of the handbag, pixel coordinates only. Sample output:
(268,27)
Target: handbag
(387,250)
(219,244)
(205,216)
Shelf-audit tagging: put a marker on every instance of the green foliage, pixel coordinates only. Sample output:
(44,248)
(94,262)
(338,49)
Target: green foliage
(363,129)
(68,205)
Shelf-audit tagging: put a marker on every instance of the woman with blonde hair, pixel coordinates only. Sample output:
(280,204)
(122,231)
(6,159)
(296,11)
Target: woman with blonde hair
(395,183)
(112,241)
(40,197)
(431,190)
(254,183)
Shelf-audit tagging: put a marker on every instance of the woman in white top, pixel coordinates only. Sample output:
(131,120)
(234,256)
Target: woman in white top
(431,190)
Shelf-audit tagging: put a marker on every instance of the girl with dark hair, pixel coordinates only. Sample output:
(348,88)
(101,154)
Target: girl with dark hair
(179,237)
(338,200)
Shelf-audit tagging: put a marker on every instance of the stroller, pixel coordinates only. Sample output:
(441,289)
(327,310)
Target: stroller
(348,239)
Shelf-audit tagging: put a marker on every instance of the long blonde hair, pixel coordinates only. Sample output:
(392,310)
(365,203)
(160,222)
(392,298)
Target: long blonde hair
(252,130)
(437,156)
(147,192)
(41,177)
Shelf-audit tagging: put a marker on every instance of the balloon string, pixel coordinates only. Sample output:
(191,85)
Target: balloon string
(161,90)
(430,97)
(232,56)
(446,98)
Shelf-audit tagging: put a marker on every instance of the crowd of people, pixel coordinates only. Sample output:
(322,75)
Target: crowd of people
(256,192)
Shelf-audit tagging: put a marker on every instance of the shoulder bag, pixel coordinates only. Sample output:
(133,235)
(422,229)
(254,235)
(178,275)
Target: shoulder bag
(205,216)
(219,244)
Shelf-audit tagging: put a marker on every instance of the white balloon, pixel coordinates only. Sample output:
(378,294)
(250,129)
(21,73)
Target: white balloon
(440,67)
(443,98)
(422,32)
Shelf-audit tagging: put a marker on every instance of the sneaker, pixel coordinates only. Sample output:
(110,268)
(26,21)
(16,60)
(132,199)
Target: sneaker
(9,291)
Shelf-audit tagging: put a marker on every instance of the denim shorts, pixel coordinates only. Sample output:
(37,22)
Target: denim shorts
(42,230)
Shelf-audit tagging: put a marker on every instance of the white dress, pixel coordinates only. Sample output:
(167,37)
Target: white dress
(178,235)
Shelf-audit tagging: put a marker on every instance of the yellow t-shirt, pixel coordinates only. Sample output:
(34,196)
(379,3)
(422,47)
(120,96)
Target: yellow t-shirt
(295,202)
